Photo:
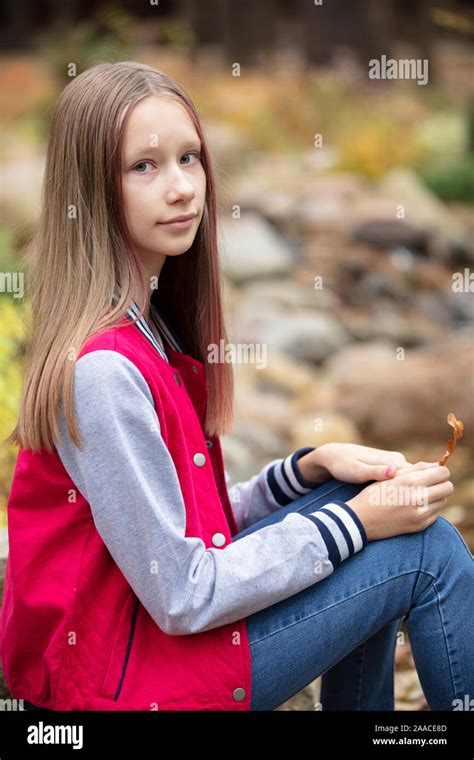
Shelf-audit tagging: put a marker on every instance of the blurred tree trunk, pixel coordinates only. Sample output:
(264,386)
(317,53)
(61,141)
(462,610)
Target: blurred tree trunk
(206,19)
(245,30)
(364,27)
(250,29)
(17,23)
(415,26)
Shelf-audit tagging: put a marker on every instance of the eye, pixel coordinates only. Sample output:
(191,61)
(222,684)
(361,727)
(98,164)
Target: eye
(142,163)
(196,154)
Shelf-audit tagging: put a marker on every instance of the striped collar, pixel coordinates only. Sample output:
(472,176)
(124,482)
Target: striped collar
(163,329)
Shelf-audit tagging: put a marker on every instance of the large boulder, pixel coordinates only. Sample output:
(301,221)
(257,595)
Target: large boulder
(392,399)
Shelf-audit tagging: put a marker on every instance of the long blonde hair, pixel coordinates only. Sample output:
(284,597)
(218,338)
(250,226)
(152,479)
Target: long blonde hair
(82,249)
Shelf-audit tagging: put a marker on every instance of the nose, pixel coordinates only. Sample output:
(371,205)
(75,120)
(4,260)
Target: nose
(179,185)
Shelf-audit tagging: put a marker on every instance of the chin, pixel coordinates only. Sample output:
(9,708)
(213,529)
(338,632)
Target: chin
(176,251)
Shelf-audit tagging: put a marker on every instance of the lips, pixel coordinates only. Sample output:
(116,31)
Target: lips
(183,218)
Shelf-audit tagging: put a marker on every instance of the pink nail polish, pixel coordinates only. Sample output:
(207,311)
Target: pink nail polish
(388,472)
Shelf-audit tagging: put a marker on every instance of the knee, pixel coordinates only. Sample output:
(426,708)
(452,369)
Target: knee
(445,537)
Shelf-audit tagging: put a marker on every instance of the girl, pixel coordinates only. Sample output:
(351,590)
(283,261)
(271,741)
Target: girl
(136,580)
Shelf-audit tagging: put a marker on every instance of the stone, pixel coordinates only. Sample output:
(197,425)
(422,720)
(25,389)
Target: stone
(392,399)
(250,247)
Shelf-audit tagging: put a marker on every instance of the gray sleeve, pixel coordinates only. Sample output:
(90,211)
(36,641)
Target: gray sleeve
(276,485)
(128,477)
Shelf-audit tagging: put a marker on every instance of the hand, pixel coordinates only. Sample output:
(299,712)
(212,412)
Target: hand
(409,503)
(350,463)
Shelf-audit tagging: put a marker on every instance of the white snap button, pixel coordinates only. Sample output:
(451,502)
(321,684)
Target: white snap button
(218,539)
(239,694)
(199,459)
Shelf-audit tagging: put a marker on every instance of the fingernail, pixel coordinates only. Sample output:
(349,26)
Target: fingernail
(388,472)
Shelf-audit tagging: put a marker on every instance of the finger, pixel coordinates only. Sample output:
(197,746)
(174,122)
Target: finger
(428,476)
(409,467)
(362,471)
(433,508)
(440,491)
(423,496)
(416,466)
(380,456)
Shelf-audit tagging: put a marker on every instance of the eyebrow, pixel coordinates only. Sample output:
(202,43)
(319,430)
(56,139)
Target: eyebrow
(191,142)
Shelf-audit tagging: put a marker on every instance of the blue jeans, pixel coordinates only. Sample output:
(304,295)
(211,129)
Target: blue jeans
(345,626)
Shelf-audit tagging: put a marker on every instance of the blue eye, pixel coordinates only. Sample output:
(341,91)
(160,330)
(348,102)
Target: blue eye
(142,163)
(197,155)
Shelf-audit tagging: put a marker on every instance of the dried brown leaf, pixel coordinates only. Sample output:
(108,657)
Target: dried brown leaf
(458,431)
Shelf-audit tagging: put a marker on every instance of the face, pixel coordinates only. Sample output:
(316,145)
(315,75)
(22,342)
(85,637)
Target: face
(162,178)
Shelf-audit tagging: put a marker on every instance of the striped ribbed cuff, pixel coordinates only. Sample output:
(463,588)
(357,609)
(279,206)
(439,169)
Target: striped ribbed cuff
(341,529)
(285,480)
(306,485)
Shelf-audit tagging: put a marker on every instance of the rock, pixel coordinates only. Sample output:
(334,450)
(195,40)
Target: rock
(250,247)
(291,191)
(253,406)
(335,429)
(394,400)
(307,336)
(383,320)
(392,233)
(325,199)
(403,259)
(285,376)
(249,448)
(376,284)
(239,462)
(426,224)
(434,307)
(408,692)
(228,145)
(461,306)
(284,293)
(260,431)
(425,210)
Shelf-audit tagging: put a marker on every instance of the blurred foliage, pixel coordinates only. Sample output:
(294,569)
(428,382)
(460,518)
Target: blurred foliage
(12,337)
(443,131)
(448,168)
(452,182)
(369,133)
(376,146)
(110,34)
(107,36)
(12,345)
(8,259)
